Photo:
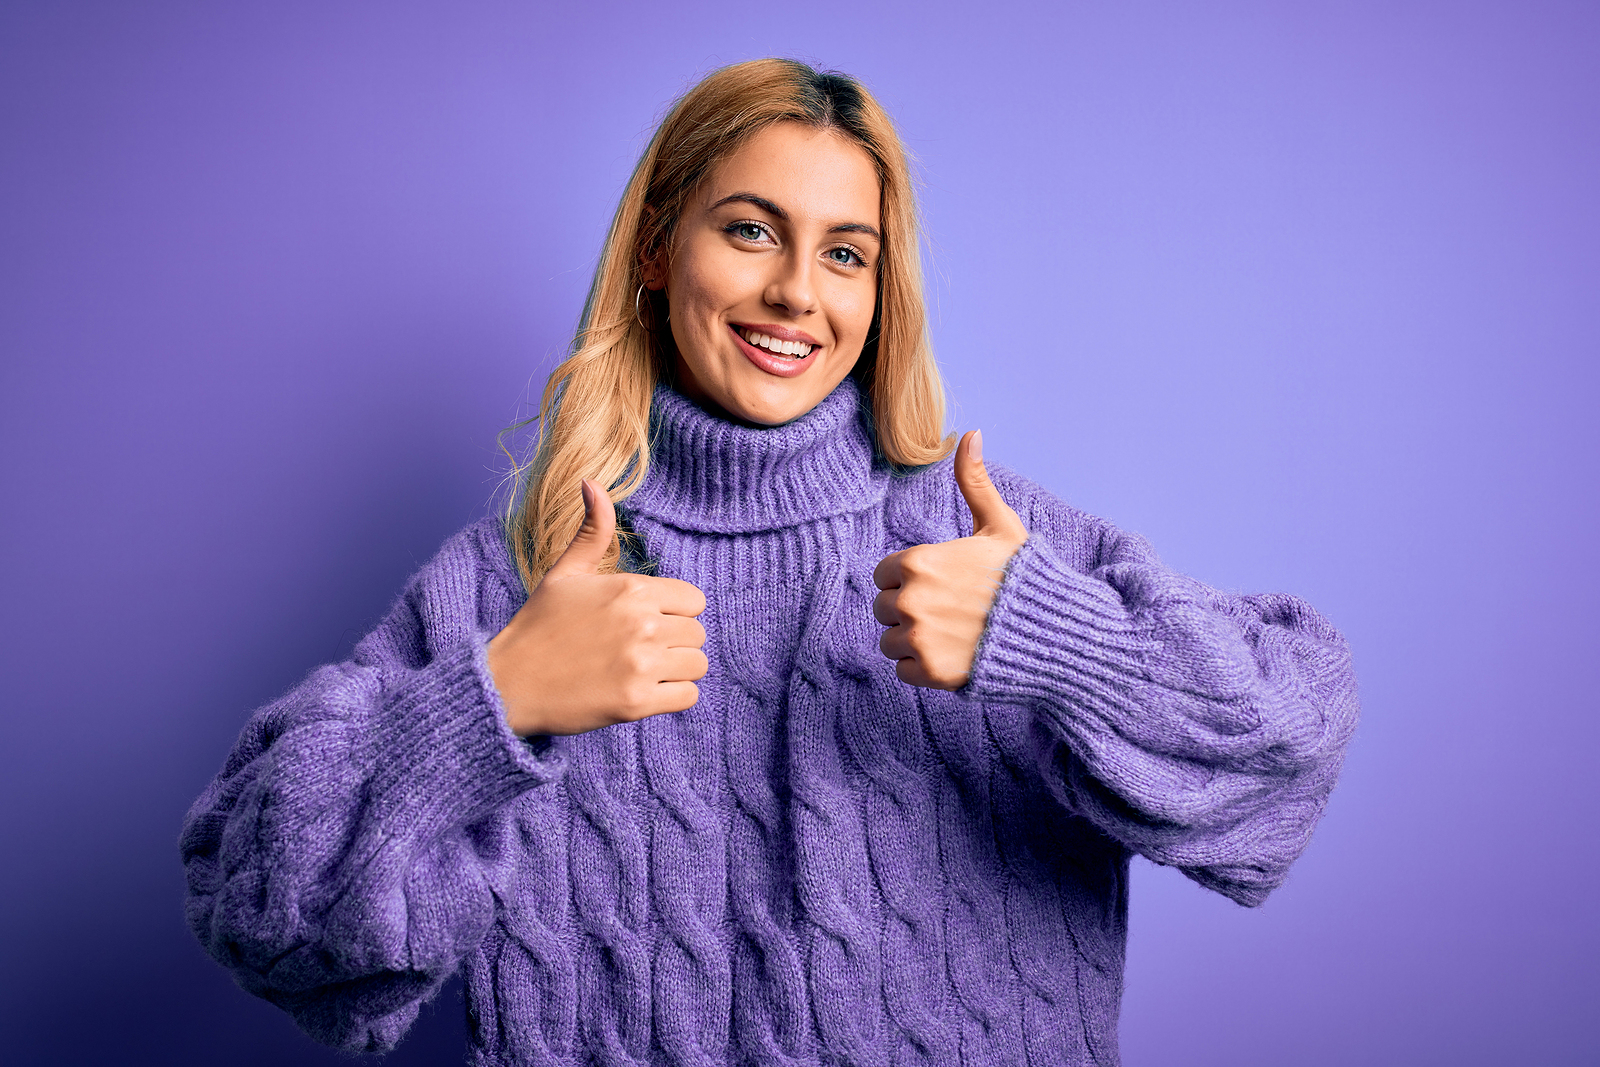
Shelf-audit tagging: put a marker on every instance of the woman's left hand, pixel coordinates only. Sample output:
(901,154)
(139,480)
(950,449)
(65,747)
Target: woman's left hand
(936,598)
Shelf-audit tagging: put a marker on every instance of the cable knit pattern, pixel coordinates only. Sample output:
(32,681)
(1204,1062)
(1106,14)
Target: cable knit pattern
(815,865)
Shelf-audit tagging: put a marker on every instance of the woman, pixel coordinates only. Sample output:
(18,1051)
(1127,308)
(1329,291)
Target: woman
(786,758)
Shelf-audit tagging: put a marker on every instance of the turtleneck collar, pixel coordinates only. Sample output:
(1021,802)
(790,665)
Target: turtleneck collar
(710,475)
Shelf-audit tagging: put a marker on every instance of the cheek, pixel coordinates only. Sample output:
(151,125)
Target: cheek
(709,284)
(853,308)
(694,302)
(690,296)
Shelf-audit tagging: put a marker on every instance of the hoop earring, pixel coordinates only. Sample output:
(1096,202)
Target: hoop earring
(637,314)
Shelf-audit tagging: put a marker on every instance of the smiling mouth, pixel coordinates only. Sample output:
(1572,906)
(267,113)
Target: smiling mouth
(781,349)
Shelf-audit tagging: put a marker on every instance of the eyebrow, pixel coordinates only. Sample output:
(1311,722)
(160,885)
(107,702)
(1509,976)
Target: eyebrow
(777,212)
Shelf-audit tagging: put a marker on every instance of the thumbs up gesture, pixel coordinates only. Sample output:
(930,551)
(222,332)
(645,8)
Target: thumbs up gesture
(589,650)
(935,599)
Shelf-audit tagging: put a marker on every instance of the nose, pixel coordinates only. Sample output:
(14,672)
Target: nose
(792,288)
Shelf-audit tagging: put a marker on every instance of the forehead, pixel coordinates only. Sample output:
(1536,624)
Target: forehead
(814,175)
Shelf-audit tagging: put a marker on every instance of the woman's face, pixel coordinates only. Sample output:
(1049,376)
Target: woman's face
(774,274)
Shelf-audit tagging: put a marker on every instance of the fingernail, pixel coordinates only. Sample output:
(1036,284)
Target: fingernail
(588,494)
(975,449)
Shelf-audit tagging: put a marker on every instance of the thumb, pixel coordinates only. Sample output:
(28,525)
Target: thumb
(991,516)
(593,538)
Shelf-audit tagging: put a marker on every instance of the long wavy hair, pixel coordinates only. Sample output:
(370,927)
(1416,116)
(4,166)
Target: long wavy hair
(594,417)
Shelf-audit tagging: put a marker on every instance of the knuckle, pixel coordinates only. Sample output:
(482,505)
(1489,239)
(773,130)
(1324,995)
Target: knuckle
(634,701)
(636,661)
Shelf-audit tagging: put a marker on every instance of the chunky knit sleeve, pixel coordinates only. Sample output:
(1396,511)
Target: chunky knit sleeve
(338,866)
(1202,729)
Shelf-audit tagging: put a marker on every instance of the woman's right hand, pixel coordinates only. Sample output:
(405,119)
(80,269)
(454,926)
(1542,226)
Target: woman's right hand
(589,650)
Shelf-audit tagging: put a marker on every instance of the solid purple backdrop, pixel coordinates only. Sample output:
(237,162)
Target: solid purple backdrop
(1305,292)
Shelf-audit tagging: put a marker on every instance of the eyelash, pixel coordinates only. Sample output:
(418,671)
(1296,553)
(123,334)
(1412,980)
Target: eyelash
(733,229)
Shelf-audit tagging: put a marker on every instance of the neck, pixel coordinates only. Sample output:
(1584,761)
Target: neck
(713,475)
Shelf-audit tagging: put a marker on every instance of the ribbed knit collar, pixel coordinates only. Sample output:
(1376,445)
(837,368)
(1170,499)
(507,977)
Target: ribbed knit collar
(710,475)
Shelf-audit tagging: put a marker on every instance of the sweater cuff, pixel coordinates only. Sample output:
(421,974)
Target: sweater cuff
(1056,638)
(444,749)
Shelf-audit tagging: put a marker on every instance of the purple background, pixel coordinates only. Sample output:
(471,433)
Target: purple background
(1305,292)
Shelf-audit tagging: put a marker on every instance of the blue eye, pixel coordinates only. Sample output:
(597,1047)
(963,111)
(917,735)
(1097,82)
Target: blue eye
(846,256)
(747,231)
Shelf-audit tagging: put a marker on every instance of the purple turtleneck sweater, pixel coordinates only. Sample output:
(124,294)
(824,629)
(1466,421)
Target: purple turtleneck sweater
(817,863)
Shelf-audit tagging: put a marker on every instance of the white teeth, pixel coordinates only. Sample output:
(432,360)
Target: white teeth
(775,346)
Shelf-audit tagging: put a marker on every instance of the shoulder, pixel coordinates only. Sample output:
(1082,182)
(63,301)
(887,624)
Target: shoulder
(476,555)
(469,587)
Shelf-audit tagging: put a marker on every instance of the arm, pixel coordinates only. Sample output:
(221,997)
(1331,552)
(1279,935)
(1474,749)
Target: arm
(1202,729)
(328,865)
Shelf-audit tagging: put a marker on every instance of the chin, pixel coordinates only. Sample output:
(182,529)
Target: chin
(771,410)
(744,395)
(764,415)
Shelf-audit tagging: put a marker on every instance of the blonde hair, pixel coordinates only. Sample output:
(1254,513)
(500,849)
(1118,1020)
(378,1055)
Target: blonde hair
(594,417)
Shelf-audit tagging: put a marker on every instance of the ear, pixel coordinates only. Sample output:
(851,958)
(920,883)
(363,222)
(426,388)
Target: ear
(652,261)
(653,273)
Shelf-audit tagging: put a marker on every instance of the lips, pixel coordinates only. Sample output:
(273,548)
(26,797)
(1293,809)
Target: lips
(775,363)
